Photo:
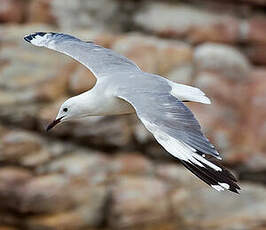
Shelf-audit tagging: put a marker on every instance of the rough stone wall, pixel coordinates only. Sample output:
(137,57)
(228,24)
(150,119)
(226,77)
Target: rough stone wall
(108,172)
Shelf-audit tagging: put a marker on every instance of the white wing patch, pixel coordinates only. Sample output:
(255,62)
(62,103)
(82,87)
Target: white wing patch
(218,188)
(182,151)
(177,148)
(221,186)
(224,185)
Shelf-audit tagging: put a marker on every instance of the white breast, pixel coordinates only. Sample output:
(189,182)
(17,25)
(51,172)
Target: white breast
(116,106)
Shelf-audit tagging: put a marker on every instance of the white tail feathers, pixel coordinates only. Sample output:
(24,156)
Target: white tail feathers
(189,93)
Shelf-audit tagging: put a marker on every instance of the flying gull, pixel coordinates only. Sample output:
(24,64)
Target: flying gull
(123,88)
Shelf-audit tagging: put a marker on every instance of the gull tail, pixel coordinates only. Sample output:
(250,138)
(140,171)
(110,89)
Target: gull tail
(188,93)
(220,179)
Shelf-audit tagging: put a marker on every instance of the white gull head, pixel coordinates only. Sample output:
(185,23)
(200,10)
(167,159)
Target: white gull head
(91,103)
(72,108)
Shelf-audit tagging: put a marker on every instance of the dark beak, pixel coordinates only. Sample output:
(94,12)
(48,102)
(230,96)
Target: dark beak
(53,124)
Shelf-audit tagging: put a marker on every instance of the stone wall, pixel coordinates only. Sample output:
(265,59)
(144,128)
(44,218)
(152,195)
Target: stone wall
(108,172)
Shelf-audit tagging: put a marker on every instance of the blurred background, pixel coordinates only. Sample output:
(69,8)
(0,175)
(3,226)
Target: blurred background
(108,172)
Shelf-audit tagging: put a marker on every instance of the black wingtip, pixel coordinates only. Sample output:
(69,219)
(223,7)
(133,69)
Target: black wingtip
(28,38)
(214,178)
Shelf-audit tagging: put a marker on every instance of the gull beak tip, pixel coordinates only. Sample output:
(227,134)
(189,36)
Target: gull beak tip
(53,124)
(50,126)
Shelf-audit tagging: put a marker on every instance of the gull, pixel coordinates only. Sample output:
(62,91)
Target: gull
(123,88)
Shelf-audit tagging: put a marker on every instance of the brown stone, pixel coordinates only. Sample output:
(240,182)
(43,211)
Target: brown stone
(67,193)
(9,220)
(60,221)
(12,11)
(40,12)
(196,208)
(256,30)
(94,167)
(3,130)
(81,80)
(11,178)
(182,74)
(49,200)
(48,113)
(53,88)
(97,14)
(255,2)
(107,39)
(226,31)
(14,175)
(86,216)
(177,176)
(15,145)
(257,94)
(7,228)
(131,163)
(229,92)
(256,53)
(173,55)
(75,179)
(188,21)
(36,159)
(7,98)
(165,55)
(221,59)
(135,203)
(138,52)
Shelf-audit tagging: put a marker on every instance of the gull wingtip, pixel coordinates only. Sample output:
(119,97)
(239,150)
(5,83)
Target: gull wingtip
(37,38)
(28,38)
(32,36)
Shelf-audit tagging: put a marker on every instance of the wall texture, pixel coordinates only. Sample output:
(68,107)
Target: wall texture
(108,172)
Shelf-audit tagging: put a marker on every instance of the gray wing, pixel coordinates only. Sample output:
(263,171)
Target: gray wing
(158,109)
(176,129)
(100,61)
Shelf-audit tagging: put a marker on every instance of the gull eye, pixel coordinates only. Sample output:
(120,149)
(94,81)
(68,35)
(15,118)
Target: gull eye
(65,109)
